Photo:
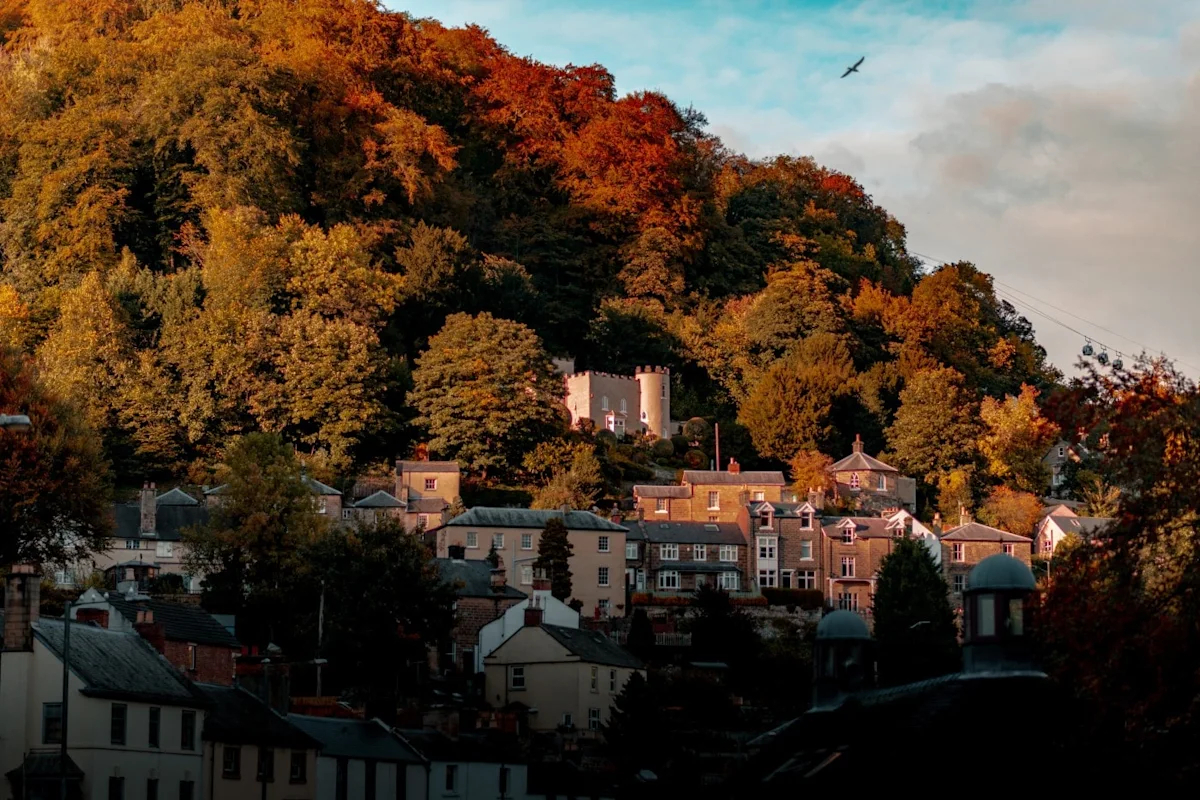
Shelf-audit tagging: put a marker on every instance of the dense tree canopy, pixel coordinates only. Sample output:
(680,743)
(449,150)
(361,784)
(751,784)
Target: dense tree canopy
(914,626)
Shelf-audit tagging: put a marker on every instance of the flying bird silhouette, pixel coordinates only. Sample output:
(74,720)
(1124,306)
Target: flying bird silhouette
(855,67)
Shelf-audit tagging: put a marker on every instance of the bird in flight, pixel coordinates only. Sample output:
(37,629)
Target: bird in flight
(855,67)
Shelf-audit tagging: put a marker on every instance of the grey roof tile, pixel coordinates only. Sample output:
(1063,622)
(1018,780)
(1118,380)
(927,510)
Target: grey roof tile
(380,499)
(861,461)
(183,623)
(1085,526)
(978,532)
(696,566)
(593,647)
(428,466)
(175,497)
(693,532)
(169,523)
(488,517)
(238,717)
(355,738)
(708,477)
(653,491)
(428,505)
(473,578)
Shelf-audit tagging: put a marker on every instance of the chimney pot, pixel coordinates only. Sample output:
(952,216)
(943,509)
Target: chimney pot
(22,598)
(734,467)
(533,616)
(858,443)
(153,632)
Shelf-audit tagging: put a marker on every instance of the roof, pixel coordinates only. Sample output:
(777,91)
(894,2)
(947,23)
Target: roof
(468,747)
(380,499)
(169,520)
(354,738)
(709,477)
(1000,571)
(428,466)
(780,509)
(176,497)
(860,461)
(428,505)
(475,577)
(118,666)
(696,566)
(978,532)
(864,527)
(314,485)
(592,647)
(183,623)
(1085,526)
(842,624)
(238,717)
(490,517)
(693,532)
(1058,509)
(647,490)
(45,764)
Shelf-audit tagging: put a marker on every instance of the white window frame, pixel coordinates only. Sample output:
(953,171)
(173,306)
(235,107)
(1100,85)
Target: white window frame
(164,549)
(848,567)
(595,675)
(958,552)
(805,579)
(133,544)
(473,540)
(806,550)
(759,496)
(855,482)
(668,551)
(660,505)
(631,553)
(806,521)
(848,601)
(663,582)
(958,582)
(768,578)
(526,575)
(847,535)
(602,544)
(498,541)
(699,552)
(881,485)
(516,677)
(714,501)
(728,553)
(593,719)
(322,505)
(602,576)
(604,402)
(767,548)
(729,581)
(526,541)
(624,406)
(605,606)
(1010,549)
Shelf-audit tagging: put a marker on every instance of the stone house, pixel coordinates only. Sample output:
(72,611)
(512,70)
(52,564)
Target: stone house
(1054,528)
(427,489)
(132,720)
(1060,454)
(679,557)
(597,565)
(570,676)
(968,544)
(190,638)
(870,484)
(501,629)
(633,404)
(483,594)
(376,507)
(854,550)
(327,500)
(709,495)
(362,758)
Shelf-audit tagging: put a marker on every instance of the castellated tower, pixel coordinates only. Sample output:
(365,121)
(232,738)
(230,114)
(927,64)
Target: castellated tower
(655,396)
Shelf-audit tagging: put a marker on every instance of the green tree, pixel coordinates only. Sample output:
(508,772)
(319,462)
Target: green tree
(577,486)
(1014,440)
(487,392)
(722,631)
(1100,499)
(493,557)
(641,635)
(53,478)
(935,429)
(635,732)
(554,557)
(914,625)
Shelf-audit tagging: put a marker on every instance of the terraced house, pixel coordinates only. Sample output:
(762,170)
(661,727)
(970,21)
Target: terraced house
(679,557)
(709,495)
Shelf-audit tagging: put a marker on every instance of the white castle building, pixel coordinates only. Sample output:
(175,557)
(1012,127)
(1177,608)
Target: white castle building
(621,403)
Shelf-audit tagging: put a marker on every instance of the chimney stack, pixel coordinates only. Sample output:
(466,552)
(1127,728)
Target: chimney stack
(858,445)
(499,580)
(149,508)
(533,613)
(22,598)
(153,632)
(734,467)
(400,493)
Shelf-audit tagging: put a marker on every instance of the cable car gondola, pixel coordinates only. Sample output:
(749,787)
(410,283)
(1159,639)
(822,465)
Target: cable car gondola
(1088,349)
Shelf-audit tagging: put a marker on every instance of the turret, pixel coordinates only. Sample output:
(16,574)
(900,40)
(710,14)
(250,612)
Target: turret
(995,604)
(654,384)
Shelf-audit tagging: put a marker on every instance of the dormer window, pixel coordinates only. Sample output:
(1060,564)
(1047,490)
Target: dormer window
(855,484)
(806,520)
(847,535)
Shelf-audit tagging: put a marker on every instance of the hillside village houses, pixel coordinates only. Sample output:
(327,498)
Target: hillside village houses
(709,495)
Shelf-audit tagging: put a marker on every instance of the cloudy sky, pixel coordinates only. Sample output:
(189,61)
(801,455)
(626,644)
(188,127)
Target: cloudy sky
(1055,143)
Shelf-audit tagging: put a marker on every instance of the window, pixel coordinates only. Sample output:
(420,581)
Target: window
(568,719)
(759,497)
(882,484)
(1048,544)
(187,790)
(668,552)
(668,580)
(498,541)
(516,678)
(728,552)
(346,513)
(423,520)
(664,390)
(192,657)
(604,403)
(631,551)
(848,601)
(472,539)
(712,518)
(603,606)
(959,582)
(526,575)
(624,406)
(847,566)
(806,579)
(451,777)
(766,548)
(117,719)
(959,552)
(116,789)
(299,769)
(1009,549)
(430,484)
(1016,617)
(806,520)
(595,679)
(612,681)
(700,582)
(699,552)
(847,535)
(660,505)
(504,773)
(526,541)
(987,615)
(152,789)
(765,521)
(729,581)
(714,501)
(231,762)
(602,544)
(855,484)
(1062,452)
(593,719)
(187,732)
(766,578)
(602,576)
(806,551)
(51,723)
(131,544)
(164,549)
(785,579)
(322,505)
(155,724)
(266,765)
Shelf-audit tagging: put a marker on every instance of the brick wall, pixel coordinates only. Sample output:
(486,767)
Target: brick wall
(695,508)
(473,613)
(973,553)
(653,561)
(213,664)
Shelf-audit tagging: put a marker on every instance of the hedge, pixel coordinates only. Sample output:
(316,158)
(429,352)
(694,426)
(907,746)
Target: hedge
(807,599)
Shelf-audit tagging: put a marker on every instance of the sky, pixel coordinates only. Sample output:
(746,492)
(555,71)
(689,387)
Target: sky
(1054,143)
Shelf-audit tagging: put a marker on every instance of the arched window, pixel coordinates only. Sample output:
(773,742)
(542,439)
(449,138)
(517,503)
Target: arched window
(624,407)
(854,482)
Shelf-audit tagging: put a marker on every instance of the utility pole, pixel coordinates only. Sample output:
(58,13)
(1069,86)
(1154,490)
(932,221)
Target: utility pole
(320,637)
(717,438)
(66,679)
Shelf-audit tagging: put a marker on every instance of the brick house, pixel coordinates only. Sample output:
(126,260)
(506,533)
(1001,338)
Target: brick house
(190,638)
(427,489)
(870,484)
(788,542)
(678,557)
(709,495)
(483,595)
(597,564)
(968,544)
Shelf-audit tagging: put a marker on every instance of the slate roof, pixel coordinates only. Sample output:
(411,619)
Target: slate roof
(428,466)
(119,666)
(1085,526)
(784,510)
(864,527)
(469,747)
(592,647)
(314,485)
(693,532)
(428,505)
(489,517)
(354,738)
(183,623)
(475,575)
(170,520)
(978,532)
(380,499)
(175,497)
(708,477)
(647,490)
(238,717)
(862,462)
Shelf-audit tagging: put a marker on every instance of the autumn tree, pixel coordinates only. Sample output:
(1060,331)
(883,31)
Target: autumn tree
(810,472)
(1100,499)
(554,557)
(935,428)
(486,392)
(1012,511)
(914,625)
(1015,439)
(577,485)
